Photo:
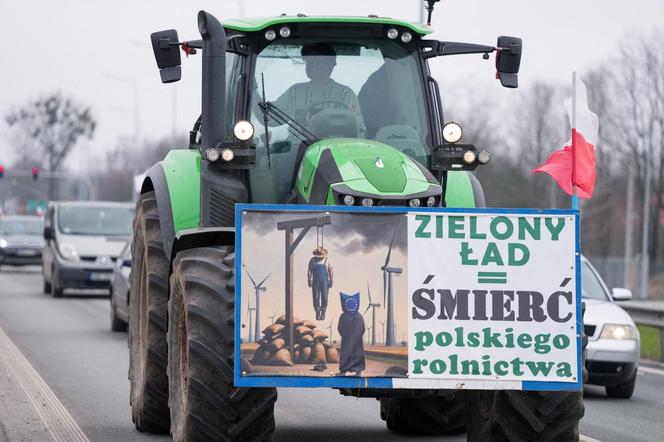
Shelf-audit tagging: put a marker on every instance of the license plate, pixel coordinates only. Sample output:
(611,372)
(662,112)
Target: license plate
(26,252)
(100,276)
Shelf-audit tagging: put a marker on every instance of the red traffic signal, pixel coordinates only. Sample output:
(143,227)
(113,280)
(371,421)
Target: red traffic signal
(35,173)
(2,170)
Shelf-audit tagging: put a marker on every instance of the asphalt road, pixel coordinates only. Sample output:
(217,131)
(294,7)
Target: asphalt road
(69,343)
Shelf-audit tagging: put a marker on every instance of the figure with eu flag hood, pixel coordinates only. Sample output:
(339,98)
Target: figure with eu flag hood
(351,329)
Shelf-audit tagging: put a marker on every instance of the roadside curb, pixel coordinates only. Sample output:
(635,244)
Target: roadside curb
(652,364)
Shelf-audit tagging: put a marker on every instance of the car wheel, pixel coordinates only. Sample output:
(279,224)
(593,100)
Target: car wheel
(623,391)
(47,286)
(117,324)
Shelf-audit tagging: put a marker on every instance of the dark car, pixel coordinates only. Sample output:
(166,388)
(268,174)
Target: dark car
(21,240)
(120,289)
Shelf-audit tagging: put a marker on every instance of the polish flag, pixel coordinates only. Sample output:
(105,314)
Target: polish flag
(574,165)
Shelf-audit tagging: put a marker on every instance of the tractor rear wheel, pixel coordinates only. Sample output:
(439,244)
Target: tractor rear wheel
(434,415)
(147,321)
(204,403)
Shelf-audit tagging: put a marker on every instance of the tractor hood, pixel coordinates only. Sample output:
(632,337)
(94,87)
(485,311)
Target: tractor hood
(336,167)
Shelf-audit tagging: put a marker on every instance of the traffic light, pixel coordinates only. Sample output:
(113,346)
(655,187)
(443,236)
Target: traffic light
(35,173)
(2,170)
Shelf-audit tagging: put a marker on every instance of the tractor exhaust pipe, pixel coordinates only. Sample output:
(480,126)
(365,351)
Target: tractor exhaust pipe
(213,112)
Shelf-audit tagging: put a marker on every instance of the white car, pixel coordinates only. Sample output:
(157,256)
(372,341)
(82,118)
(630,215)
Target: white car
(613,340)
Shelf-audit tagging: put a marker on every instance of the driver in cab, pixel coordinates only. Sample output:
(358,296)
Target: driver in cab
(302,101)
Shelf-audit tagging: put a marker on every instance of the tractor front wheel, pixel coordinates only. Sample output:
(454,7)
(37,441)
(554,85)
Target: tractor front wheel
(147,321)
(204,403)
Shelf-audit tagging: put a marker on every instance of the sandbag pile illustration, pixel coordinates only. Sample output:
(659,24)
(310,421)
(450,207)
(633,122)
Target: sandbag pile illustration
(310,345)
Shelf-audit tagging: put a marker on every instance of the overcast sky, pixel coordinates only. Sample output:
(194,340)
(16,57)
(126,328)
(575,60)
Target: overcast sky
(99,51)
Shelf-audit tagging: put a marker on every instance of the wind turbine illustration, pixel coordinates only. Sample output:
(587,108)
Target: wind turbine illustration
(373,306)
(249,310)
(388,295)
(368,329)
(272,317)
(258,289)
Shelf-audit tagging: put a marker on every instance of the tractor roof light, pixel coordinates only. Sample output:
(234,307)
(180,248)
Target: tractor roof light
(284,32)
(270,35)
(406,37)
(212,155)
(392,33)
(349,200)
(227,155)
(414,203)
(243,130)
(484,157)
(469,157)
(452,132)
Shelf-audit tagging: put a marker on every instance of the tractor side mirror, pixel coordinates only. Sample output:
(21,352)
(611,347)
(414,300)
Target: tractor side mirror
(508,60)
(166,47)
(48,233)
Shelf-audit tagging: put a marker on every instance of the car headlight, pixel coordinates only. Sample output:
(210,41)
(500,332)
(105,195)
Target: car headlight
(68,252)
(618,331)
(3,243)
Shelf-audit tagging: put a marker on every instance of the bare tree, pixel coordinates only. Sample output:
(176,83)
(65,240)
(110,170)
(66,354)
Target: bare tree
(49,127)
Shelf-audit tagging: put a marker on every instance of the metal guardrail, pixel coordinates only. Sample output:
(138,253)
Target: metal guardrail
(648,313)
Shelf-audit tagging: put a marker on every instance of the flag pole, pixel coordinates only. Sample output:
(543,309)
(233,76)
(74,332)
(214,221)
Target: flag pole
(575,198)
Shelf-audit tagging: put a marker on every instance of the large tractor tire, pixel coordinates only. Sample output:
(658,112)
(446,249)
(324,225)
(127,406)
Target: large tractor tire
(526,415)
(147,321)
(204,403)
(435,415)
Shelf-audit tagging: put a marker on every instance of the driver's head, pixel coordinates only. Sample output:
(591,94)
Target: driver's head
(320,59)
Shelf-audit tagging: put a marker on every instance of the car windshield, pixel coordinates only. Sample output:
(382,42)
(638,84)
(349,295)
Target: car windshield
(591,287)
(366,89)
(22,226)
(79,220)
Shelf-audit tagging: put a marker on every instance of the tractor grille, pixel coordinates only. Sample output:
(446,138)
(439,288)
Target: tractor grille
(222,209)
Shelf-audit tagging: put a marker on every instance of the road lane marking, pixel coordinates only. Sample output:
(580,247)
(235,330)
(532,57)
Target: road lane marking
(584,438)
(60,424)
(650,370)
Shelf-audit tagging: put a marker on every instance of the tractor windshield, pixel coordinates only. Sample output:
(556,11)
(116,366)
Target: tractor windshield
(335,89)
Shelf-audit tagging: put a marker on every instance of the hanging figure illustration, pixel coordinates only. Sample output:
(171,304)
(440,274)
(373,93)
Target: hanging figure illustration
(320,276)
(351,329)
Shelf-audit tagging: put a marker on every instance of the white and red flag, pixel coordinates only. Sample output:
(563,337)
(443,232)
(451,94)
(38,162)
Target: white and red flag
(573,167)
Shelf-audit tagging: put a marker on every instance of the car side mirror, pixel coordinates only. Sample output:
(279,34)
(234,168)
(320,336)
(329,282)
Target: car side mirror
(48,233)
(126,263)
(620,294)
(508,60)
(166,48)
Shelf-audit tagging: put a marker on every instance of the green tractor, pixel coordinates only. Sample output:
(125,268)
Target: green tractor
(276,128)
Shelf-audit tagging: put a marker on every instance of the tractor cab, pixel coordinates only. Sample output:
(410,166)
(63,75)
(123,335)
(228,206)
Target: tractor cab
(325,110)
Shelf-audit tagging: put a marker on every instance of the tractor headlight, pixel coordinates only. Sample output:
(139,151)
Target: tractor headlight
(618,331)
(469,157)
(270,35)
(406,37)
(212,155)
(68,252)
(431,201)
(452,132)
(284,31)
(392,33)
(243,130)
(227,155)
(484,157)
(414,203)
(349,200)
(367,202)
